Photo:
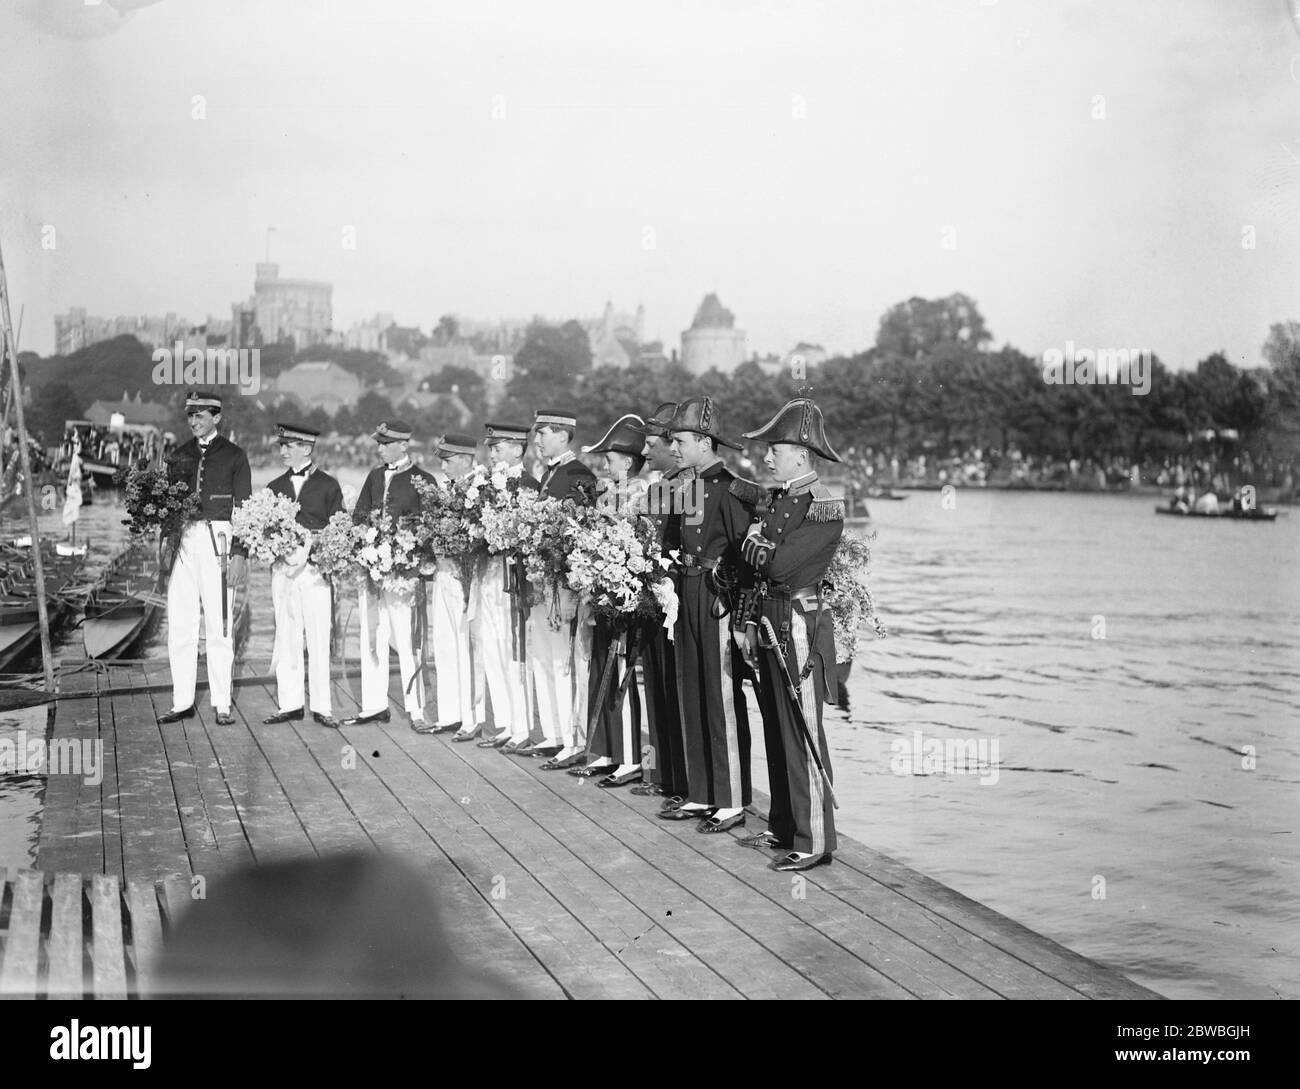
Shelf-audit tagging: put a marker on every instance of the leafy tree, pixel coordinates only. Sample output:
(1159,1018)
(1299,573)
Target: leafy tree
(914,328)
(55,403)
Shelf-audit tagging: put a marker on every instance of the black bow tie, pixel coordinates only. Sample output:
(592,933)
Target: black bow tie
(300,472)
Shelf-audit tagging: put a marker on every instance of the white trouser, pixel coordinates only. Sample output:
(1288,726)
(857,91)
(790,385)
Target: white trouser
(581,676)
(303,617)
(504,675)
(449,634)
(390,627)
(196,584)
(558,666)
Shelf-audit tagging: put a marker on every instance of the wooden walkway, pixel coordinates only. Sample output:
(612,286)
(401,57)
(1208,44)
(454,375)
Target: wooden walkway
(561,888)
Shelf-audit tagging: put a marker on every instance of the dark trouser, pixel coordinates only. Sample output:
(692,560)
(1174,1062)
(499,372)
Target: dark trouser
(715,722)
(802,814)
(617,729)
(659,666)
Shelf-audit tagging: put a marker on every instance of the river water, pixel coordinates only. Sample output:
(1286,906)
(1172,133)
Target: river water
(1135,677)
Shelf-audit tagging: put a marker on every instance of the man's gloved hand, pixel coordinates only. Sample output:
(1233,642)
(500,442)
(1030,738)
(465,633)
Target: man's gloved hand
(746,640)
(756,548)
(237,574)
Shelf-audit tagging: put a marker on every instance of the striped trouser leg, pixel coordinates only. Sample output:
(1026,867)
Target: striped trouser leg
(810,803)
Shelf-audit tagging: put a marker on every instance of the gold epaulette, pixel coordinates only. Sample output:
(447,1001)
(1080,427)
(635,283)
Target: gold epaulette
(747,491)
(824,506)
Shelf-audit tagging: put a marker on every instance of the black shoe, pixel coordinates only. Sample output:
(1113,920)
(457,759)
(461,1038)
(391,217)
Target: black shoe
(422,725)
(326,720)
(358,720)
(621,780)
(795,861)
(715,825)
(449,728)
(680,814)
(542,752)
(493,742)
(764,841)
(468,735)
(283,716)
(225,718)
(177,716)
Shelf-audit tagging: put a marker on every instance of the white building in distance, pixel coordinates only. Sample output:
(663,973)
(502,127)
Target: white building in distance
(713,339)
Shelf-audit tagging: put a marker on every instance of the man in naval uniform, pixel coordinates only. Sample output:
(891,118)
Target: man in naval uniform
(790,547)
(390,490)
(302,597)
(217,472)
(715,723)
(666,768)
(502,594)
(448,617)
(559,659)
(615,715)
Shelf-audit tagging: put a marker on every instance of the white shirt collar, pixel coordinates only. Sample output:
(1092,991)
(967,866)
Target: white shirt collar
(563,459)
(401,466)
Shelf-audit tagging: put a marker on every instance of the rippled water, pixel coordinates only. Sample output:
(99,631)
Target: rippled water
(1120,757)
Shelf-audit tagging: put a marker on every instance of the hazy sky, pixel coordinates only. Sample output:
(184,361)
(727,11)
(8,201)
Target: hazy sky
(802,159)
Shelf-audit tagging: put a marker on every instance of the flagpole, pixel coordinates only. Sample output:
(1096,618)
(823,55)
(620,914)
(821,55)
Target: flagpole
(16,397)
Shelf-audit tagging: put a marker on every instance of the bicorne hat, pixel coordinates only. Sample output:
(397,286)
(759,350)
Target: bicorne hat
(625,436)
(799,422)
(700,414)
(658,421)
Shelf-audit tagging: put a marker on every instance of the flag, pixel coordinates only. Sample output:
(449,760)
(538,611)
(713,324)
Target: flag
(72,504)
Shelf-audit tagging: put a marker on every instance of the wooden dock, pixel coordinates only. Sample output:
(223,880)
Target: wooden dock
(561,888)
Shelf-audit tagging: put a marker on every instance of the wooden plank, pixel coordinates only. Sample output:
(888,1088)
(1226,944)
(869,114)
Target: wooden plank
(146,931)
(555,857)
(329,823)
(110,804)
(476,931)
(526,935)
(107,952)
(175,891)
(218,807)
(71,838)
(152,839)
(769,952)
(270,823)
(66,976)
(672,931)
(1055,961)
(23,943)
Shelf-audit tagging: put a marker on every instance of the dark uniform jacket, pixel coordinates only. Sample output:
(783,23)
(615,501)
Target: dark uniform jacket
(320,499)
(572,480)
(801,531)
(714,518)
(402,496)
(221,477)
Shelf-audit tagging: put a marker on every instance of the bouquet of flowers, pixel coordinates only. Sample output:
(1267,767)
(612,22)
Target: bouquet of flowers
(154,502)
(615,563)
(267,523)
(334,549)
(847,595)
(389,553)
(449,518)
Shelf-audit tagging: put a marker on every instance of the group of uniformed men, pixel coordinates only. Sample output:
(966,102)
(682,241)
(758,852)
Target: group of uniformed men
(748,576)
